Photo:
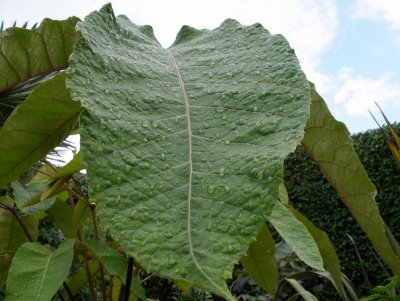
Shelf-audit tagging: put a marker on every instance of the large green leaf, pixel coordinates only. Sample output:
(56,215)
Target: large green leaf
(296,235)
(184,147)
(29,53)
(260,262)
(12,236)
(328,142)
(37,126)
(37,273)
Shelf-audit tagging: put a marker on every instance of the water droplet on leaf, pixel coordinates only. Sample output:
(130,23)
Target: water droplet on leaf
(211,189)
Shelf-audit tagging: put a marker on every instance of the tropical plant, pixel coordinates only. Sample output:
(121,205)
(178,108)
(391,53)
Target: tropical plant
(184,150)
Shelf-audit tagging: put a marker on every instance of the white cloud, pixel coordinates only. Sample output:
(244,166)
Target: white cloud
(357,94)
(387,10)
(309,25)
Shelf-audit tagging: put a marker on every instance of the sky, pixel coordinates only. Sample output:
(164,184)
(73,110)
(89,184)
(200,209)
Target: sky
(349,48)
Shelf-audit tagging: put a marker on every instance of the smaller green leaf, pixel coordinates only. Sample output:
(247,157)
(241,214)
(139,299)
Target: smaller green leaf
(327,251)
(38,273)
(260,261)
(79,280)
(283,194)
(306,295)
(36,126)
(296,236)
(12,236)
(72,167)
(28,198)
(80,214)
(61,215)
(43,175)
(115,264)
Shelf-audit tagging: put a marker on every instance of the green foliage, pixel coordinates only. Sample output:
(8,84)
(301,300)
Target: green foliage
(342,167)
(175,141)
(261,258)
(389,291)
(296,235)
(184,149)
(37,271)
(312,195)
(37,126)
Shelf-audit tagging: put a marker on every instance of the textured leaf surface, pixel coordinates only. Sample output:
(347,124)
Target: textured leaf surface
(37,273)
(184,146)
(29,53)
(328,142)
(260,261)
(296,235)
(12,236)
(35,127)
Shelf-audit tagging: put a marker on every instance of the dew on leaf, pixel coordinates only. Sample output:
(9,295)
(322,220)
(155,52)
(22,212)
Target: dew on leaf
(119,180)
(227,275)
(163,157)
(224,117)
(206,125)
(227,142)
(211,189)
(227,189)
(171,261)
(230,249)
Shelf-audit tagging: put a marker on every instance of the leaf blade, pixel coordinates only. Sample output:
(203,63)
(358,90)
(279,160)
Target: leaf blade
(39,270)
(339,162)
(156,136)
(30,53)
(296,236)
(260,261)
(37,126)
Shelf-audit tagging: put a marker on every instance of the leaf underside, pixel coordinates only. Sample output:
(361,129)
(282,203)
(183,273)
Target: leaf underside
(184,147)
(328,142)
(35,127)
(26,54)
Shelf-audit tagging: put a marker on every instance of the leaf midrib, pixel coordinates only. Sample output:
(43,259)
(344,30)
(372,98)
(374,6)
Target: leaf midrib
(44,276)
(189,130)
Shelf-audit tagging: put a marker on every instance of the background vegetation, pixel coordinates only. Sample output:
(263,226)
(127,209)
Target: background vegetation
(313,196)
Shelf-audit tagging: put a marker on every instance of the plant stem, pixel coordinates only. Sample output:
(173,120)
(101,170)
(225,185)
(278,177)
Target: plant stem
(68,290)
(101,267)
(128,279)
(21,223)
(60,295)
(85,262)
(121,292)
